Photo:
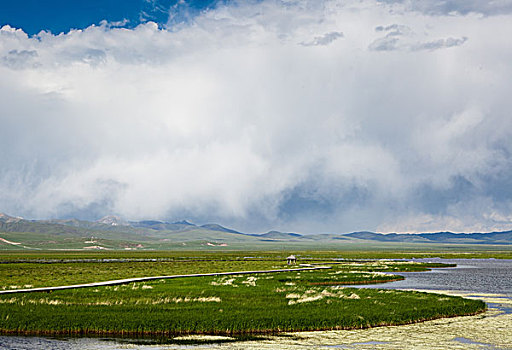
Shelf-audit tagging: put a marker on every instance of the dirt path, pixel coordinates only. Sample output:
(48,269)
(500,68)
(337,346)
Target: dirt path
(16,244)
(142,279)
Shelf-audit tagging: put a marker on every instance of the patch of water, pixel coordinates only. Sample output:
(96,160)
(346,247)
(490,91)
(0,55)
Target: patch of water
(504,308)
(352,345)
(471,342)
(30,343)
(470,275)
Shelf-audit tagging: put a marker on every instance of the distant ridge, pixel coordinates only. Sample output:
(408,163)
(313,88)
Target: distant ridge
(112,220)
(8,218)
(504,237)
(280,235)
(183,222)
(217,227)
(163,225)
(112,232)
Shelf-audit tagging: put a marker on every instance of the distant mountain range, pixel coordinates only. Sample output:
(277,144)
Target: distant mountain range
(112,232)
(504,237)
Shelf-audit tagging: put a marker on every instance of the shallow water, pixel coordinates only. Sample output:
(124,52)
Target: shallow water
(30,343)
(476,278)
(471,275)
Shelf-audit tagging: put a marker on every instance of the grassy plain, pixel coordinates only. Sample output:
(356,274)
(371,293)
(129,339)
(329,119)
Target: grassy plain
(240,304)
(381,250)
(55,269)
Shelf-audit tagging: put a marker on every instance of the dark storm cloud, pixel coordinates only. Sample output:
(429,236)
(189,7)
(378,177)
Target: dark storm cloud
(402,125)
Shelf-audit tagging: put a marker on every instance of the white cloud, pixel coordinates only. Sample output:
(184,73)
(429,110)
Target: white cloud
(229,118)
(455,7)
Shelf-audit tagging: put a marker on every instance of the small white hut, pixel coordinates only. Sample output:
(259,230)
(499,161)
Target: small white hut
(291,260)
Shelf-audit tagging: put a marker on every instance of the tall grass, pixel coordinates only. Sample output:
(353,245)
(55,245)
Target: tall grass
(239,304)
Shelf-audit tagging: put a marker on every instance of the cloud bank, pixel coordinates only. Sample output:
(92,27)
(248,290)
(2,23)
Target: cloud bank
(321,116)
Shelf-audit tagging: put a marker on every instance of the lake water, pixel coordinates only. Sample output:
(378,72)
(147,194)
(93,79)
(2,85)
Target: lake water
(475,276)
(471,275)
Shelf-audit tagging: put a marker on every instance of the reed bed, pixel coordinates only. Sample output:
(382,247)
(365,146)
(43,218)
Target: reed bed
(231,305)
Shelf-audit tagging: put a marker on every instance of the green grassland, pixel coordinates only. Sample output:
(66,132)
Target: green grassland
(59,272)
(232,305)
(328,252)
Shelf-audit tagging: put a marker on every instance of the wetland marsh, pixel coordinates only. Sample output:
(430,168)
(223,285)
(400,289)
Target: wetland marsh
(488,330)
(239,305)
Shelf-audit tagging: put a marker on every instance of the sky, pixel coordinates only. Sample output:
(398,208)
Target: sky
(321,116)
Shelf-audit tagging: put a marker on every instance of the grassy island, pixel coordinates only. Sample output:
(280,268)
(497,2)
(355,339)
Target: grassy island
(227,305)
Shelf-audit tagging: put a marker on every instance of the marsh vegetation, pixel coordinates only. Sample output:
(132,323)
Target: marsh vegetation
(228,305)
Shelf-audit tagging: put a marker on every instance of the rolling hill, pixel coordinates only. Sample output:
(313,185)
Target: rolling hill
(111,232)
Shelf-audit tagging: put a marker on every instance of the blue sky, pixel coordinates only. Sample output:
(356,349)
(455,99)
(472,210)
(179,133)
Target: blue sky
(61,15)
(297,115)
